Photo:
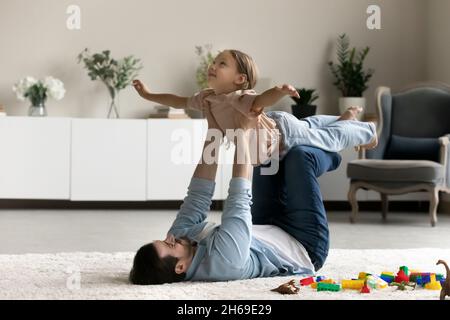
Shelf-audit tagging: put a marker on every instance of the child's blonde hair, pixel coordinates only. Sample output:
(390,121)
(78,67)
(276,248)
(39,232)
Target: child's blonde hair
(246,66)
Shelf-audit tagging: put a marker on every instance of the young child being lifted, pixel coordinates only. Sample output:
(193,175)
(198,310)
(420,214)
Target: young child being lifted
(234,104)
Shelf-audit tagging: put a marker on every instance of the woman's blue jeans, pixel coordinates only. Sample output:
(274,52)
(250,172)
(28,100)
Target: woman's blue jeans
(291,198)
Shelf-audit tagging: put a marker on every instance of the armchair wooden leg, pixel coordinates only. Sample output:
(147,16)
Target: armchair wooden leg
(384,206)
(353,202)
(434,201)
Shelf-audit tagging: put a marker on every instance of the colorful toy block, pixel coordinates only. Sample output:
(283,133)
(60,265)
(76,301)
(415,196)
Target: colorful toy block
(320,278)
(314,285)
(414,277)
(322,286)
(376,282)
(405,270)
(352,284)
(405,279)
(365,289)
(401,277)
(371,282)
(387,277)
(426,278)
(306,281)
(363,275)
(433,285)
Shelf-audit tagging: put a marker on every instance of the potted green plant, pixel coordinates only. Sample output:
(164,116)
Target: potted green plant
(350,77)
(205,58)
(37,91)
(115,74)
(304,107)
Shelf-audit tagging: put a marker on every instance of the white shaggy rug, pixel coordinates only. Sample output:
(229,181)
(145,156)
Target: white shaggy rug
(82,275)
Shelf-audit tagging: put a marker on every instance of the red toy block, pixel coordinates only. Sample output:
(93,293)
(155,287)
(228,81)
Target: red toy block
(307,281)
(365,289)
(401,277)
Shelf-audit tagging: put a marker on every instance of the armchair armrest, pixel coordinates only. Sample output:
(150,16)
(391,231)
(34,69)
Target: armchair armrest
(444,158)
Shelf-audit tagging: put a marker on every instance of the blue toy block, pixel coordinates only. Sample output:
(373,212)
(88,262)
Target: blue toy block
(426,278)
(388,279)
(320,278)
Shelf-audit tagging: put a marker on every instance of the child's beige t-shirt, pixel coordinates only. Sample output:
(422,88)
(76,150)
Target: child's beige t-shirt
(234,111)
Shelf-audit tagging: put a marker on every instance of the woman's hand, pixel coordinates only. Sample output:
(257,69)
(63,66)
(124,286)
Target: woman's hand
(141,88)
(289,90)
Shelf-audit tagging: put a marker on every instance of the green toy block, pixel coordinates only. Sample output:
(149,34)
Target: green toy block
(405,269)
(328,287)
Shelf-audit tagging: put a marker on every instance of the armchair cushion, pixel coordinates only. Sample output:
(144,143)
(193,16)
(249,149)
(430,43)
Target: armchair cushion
(396,171)
(405,148)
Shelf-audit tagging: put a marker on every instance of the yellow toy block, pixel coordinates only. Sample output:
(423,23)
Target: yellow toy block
(328,281)
(362,276)
(433,285)
(432,277)
(352,284)
(388,273)
(314,285)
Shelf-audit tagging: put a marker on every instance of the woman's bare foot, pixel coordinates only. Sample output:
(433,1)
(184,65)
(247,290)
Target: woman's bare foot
(351,113)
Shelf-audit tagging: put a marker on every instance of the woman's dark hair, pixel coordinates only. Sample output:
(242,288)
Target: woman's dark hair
(149,268)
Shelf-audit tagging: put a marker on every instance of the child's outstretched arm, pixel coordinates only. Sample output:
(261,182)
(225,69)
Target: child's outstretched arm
(271,96)
(170,100)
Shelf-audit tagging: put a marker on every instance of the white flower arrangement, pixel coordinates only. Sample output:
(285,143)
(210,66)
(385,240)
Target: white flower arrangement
(38,91)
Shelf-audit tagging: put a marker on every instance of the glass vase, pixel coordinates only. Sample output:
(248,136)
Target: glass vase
(113,112)
(37,110)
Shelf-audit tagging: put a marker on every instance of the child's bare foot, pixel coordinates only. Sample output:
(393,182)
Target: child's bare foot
(351,113)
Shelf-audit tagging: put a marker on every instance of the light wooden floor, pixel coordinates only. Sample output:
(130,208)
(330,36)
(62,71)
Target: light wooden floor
(47,231)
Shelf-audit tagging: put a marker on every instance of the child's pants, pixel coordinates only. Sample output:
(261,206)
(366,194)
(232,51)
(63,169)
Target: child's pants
(321,131)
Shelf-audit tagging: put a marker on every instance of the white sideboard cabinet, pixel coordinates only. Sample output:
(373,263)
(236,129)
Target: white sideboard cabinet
(35,158)
(118,160)
(109,160)
(174,149)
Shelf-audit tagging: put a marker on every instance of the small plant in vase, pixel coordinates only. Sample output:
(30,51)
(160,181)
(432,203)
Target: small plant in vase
(37,91)
(115,74)
(350,77)
(304,107)
(206,58)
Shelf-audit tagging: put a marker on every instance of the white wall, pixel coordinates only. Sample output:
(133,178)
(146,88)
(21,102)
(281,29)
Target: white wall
(438,54)
(291,40)
(438,35)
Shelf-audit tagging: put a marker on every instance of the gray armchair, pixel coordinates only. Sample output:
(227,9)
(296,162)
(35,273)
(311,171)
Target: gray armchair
(413,150)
